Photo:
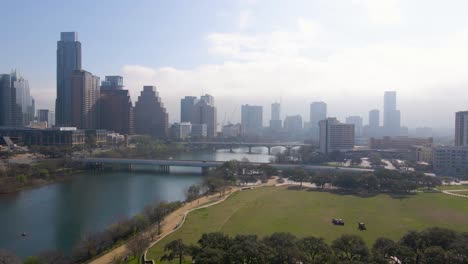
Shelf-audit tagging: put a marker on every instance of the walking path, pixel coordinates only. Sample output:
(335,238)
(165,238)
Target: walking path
(175,220)
(453,192)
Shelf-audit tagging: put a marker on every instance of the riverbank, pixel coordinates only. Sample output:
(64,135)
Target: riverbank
(175,220)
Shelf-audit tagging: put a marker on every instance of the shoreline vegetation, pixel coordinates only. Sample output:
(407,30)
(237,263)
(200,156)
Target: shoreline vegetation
(132,232)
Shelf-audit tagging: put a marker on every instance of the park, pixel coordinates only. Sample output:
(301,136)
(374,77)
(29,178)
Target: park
(307,212)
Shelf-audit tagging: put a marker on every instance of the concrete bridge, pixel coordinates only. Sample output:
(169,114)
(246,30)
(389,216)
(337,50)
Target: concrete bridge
(230,145)
(164,165)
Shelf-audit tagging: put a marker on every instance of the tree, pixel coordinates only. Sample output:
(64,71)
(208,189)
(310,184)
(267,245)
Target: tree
(177,250)
(32,260)
(383,249)
(321,179)
(297,175)
(246,249)
(138,245)
(53,257)
(283,247)
(434,255)
(350,248)
(193,192)
(7,257)
(314,250)
(416,242)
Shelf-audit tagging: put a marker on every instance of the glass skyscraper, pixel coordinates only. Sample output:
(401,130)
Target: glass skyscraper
(68,60)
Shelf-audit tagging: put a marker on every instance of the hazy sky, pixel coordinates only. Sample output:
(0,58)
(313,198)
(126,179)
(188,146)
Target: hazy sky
(343,52)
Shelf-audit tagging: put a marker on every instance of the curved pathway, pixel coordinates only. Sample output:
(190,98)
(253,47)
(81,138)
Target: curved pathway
(453,192)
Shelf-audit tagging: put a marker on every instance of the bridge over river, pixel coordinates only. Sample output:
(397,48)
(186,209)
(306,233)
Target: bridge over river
(230,145)
(164,165)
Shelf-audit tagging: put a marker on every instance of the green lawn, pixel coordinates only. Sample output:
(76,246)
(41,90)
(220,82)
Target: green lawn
(272,209)
(453,187)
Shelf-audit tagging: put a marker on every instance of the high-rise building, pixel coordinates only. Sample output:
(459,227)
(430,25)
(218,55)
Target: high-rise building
(23,98)
(84,100)
(357,122)
(318,112)
(7,101)
(116,106)
(43,115)
(275,121)
(251,120)
(293,124)
(231,130)
(181,130)
(391,125)
(51,122)
(374,118)
(151,117)
(204,112)
(461,128)
(335,136)
(68,60)
(186,108)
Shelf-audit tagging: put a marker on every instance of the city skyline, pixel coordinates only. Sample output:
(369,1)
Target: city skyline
(201,60)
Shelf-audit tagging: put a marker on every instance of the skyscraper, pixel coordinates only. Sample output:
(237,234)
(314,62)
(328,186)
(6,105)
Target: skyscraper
(151,117)
(204,112)
(68,60)
(335,136)
(43,115)
(251,120)
(84,100)
(461,128)
(391,120)
(374,118)
(23,98)
(275,122)
(7,100)
(186,108)
(318,112)
(357,122)
(293,124)
(116,106)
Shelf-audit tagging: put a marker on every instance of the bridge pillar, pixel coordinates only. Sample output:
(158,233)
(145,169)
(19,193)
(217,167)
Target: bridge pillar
(269,150)
(205,171)
(250,149)
(288,150)
(230,149)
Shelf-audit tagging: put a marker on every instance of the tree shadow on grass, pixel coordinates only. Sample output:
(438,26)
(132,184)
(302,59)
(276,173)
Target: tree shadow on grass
(399,196)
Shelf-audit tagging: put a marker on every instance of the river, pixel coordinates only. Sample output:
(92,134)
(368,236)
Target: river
(56,216)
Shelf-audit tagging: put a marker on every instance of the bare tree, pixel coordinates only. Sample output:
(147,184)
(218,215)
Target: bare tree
(7,257)
(138,245)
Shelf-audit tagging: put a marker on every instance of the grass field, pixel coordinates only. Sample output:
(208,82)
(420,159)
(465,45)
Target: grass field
(453,187)
(303,213)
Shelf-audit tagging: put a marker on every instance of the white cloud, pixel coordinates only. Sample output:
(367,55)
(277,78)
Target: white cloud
(312,61)
(245,19)
(382,12)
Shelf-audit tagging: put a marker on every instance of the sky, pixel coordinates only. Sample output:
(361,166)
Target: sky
(343,52)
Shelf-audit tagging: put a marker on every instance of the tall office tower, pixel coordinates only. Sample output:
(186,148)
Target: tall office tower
(23,98)
(335,136)
(68,60)
(461,128)
(186,108)
(391,120)
(7,100)
(204,112)
(251,120)
(293,124)
(84,100)
(51,122)
(318,112)
(374,118)
(357,122)
(151,117)
(116,106)
(43,115)
(275,121)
